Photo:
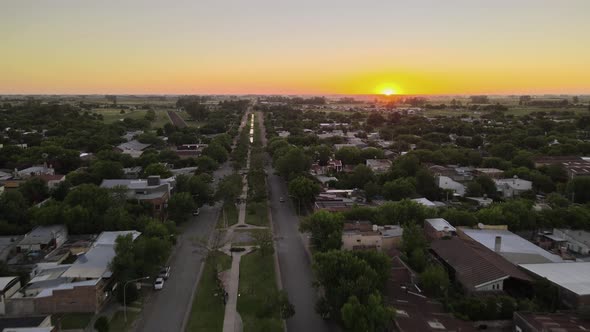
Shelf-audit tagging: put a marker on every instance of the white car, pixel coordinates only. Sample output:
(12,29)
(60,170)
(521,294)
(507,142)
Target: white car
(159,284)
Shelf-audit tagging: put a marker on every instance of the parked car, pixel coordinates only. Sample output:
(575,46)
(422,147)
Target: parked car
(164,272)
(281,199)
(196,212)
(159,284)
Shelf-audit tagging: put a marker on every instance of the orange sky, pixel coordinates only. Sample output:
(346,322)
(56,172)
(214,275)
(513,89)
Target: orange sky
(303,47)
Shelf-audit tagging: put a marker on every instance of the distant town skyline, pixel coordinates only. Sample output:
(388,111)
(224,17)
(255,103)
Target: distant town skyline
(454,47)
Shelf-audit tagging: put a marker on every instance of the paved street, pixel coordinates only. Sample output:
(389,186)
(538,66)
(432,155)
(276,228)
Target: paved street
(166,309)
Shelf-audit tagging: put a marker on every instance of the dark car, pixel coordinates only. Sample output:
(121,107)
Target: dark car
(164,272)
(196,212)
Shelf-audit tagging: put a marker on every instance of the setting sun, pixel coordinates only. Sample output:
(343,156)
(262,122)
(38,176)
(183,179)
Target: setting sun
(388,91)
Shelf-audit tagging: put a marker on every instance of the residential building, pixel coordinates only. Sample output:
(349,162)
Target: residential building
(379,165)
(52,180)
(8,286)
(132,172)
(43,238)
(572,280)
(514,187)
(446,183)
(437,228)
(35,171)
(134,148)
(414,311)
(477,268)
(362,235)
(493,173)
(153,190)
(428,203)
(509,245)
(549,322)
(577,241)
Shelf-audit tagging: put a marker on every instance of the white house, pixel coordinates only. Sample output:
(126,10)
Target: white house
(513,187)
(446,183)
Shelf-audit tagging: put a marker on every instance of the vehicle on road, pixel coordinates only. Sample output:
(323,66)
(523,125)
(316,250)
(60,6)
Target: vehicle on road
(196,212)
(164,272)
(159,284)
(281,199)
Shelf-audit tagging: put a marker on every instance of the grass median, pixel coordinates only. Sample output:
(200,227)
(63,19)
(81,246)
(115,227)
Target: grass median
(208,308)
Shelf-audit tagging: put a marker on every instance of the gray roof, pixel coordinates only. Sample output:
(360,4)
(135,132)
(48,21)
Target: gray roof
(513,247)
(572,276)
(133,145)
(95,262)
(43,234)
(440,224)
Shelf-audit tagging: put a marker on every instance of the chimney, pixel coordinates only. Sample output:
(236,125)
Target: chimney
(153,180)
(498,244)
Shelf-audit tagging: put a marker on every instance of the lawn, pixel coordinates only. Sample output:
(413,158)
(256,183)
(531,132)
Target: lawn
(257,285)
(72,321)
(244,237)
(118,324)
(257,214)
(229,213)
(208,309)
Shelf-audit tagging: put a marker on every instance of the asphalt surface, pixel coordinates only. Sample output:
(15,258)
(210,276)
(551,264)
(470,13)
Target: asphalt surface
(165,309)
(294,262)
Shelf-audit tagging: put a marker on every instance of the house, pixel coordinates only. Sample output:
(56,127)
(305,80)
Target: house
(134,148)
(334,165)
(379,165)
(555,160)
(437,228)
(189,150)
(446,183)
(8,286)
(152,190)
(571,279)
(414,311)
(509,245)
(89,279)
(455,173)
(132,172)
(283,133)
(36,171)
(481,201)
(130,135)
(52,180)
(477,268)
(577,241)
(549,322)
(428,203)
(43,238)
(493,173)
(27,324)
(362,235)
(512,187)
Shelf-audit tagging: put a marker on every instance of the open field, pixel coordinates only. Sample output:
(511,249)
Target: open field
(257,286)
(72,321)
(260,215)
(111,115)
(229,214)
(208,309)
(118,324)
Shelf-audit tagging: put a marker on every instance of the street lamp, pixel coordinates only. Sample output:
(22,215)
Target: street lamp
(124,293)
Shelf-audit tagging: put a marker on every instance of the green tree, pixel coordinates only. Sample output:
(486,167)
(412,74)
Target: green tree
(157,169)
(413,239)
(216,152)
(180,206)
(206,164)
(229,188)
(34,190)
(106,169)
(435,281)
(359,176)
(373,316)
(349,155)
(304,190)
(579,189)
(325,229)
(264,242)
(292,163)
(399,189)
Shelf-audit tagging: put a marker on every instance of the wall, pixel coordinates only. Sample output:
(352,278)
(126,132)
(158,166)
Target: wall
(349,240)
(20,306)
(78,299)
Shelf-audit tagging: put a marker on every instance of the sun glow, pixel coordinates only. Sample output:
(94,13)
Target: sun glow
(388,91)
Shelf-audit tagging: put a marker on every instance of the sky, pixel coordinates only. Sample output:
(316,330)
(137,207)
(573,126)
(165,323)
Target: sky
(294,47)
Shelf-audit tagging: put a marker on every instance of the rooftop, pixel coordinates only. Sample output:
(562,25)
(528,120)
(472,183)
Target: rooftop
(440,224)
(558,322)
(513,247)
(474,264)
(19,322)
(134,145)
(6,281)
(43,234)
(95,262)
(572,276)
